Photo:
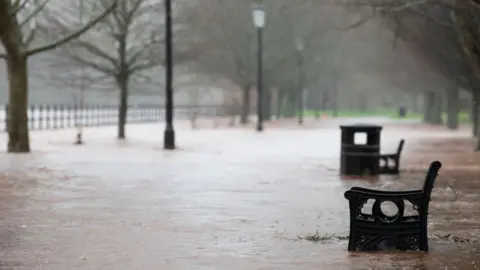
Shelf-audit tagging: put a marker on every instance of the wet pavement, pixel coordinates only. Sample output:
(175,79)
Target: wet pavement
(228,199)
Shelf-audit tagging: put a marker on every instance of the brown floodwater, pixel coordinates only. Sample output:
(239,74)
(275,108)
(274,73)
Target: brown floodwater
(228,199)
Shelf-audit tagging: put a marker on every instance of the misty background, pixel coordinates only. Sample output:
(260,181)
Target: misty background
(349,62)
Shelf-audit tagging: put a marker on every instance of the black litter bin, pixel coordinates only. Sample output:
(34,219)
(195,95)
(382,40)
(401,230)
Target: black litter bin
(360,158)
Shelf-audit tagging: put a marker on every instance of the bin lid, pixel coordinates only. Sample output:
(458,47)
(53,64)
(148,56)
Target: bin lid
(361,127)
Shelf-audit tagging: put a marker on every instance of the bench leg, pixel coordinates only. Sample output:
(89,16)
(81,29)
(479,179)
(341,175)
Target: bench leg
(352,241)
(423,245)
(397,165)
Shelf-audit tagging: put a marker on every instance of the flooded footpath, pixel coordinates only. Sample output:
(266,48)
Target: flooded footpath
(227,199)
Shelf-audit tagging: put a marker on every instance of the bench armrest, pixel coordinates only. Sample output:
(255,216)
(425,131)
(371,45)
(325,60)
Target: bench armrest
(393,156)
(384,192)
(359,193)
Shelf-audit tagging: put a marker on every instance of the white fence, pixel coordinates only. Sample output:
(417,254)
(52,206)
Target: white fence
(64,116)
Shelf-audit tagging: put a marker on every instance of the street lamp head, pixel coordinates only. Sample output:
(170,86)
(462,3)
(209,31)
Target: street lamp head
(258,13)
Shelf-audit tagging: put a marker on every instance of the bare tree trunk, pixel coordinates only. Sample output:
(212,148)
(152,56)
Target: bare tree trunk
(317,104)
(362,103)
(245,105)
(467,31)
(475,118)
(17,66)
(334,101)
(290,103)
(438,109)
(280,98)
(414,100)
(476,123)
(315,100)
(122,82)
(452,108)
(17,124)
(475,113)
(300,106)
(324,101)
(429,107)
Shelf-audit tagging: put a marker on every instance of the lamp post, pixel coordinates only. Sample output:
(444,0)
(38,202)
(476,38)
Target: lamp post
(301,78)
(258,13)
(169,134)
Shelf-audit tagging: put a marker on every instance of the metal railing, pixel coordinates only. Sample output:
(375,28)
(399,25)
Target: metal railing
(58,116)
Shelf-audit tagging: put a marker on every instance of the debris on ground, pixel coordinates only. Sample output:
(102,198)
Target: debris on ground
(455,239)
(317,238)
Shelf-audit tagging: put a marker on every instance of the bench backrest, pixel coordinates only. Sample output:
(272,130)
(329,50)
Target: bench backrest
(429,181)
(400,146)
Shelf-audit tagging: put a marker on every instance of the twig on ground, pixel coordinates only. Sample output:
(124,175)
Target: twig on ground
(317,238)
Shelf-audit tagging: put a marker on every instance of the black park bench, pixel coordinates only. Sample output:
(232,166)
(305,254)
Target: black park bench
(390,163)
(379,231)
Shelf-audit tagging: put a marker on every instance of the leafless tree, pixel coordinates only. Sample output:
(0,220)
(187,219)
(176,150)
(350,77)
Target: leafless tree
(18,28)
(444,34)
(126,49)
(435,43)
(224,30)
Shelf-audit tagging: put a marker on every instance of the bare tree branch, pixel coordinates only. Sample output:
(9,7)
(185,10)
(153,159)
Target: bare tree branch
(125,44)
(34,13)
(73,35)
(30,37)
(18,5)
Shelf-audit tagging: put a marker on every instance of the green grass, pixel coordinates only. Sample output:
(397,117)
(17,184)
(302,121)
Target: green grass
(463,117)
